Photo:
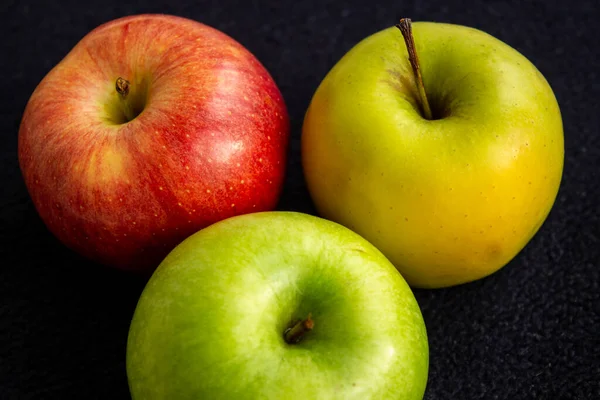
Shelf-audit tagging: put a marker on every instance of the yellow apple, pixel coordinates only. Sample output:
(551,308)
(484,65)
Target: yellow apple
(448,199)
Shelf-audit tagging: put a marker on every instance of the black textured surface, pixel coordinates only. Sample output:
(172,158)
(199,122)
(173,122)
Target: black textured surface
(530,331)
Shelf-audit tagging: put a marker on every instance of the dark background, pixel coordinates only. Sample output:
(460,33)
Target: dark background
(530,331)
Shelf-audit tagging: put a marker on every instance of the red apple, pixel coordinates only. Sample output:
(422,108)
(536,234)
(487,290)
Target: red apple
(151,128)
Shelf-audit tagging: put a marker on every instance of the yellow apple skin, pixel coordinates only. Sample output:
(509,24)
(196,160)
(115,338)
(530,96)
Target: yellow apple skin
(449,200)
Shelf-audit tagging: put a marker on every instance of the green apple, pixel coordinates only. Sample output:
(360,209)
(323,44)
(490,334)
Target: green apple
(447,199)
(277,305)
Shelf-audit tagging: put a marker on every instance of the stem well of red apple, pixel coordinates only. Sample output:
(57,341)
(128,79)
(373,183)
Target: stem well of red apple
(132,101)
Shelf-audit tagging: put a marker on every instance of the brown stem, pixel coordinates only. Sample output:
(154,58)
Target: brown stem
(406,29)
(296,333)
(122,87)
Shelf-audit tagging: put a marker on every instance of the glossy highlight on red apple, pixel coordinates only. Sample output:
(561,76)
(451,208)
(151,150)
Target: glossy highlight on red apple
(122,174)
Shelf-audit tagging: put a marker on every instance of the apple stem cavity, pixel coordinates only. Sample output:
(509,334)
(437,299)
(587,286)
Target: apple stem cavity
(122,87)
(295,334)
(406,29)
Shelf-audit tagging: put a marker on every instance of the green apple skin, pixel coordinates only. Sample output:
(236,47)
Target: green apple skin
(210,322)
(448,200)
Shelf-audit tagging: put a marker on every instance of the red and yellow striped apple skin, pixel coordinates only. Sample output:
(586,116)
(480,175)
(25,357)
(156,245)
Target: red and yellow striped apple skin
(210,143)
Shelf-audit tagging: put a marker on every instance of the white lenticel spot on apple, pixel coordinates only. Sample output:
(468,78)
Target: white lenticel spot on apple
(160,188)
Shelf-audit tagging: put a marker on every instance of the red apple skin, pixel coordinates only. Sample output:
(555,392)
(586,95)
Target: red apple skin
(210,143)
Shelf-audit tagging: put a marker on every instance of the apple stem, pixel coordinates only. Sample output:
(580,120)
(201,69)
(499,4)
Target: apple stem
(406,29)
(122,87)
(296,333)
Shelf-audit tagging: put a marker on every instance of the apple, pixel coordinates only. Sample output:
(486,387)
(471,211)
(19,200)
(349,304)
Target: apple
(151,128)
(450,197)
(276,305)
